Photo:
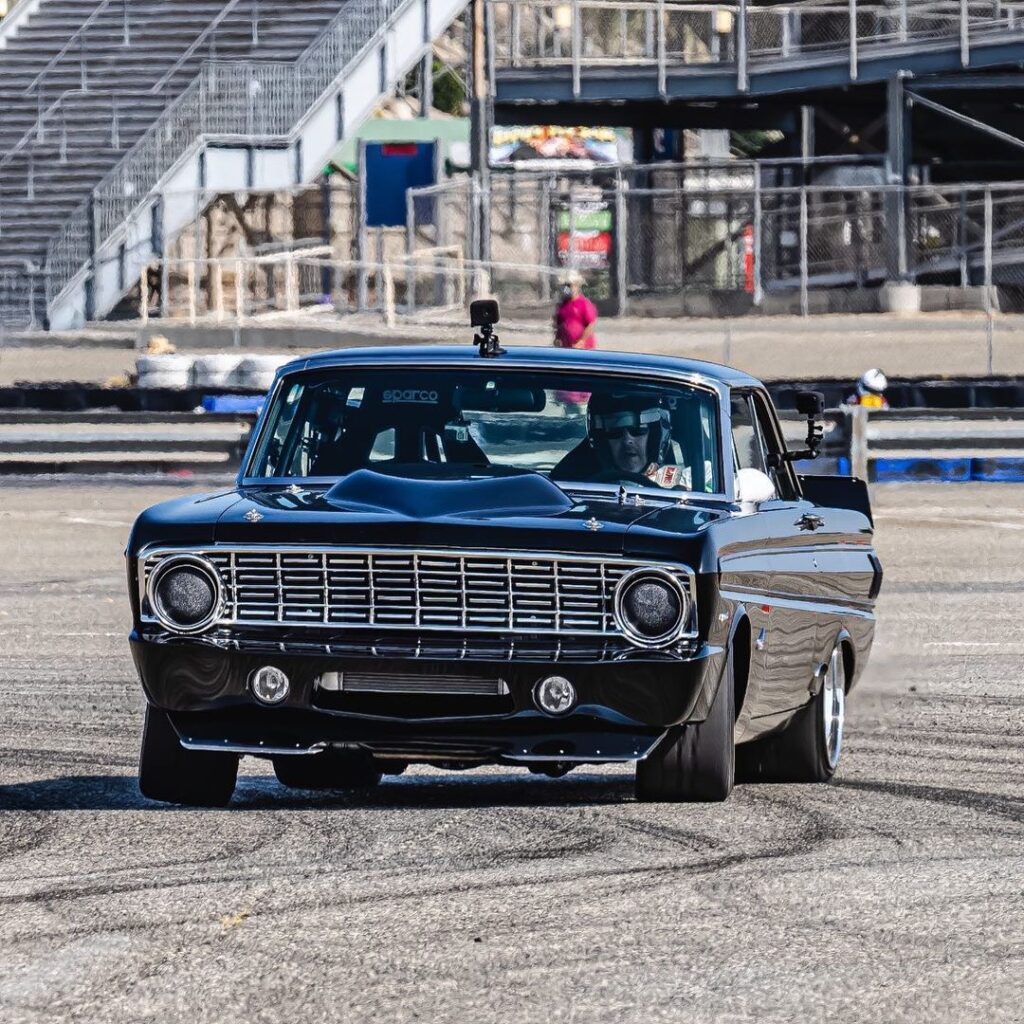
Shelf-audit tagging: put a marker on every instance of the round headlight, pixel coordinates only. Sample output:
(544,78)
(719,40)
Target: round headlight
(651,607)
(185,593)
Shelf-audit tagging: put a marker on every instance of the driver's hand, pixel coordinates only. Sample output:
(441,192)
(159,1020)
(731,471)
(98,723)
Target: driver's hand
(663,476)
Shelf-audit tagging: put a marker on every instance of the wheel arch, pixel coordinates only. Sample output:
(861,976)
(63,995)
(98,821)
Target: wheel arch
(740,643)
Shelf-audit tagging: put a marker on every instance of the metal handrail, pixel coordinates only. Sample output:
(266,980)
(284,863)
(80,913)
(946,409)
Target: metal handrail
(36,130)
(738,33)
(213,25)
(243,99)
(67,46)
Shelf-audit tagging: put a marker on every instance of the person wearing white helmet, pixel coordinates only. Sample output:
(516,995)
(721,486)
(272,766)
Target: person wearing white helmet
(870,391)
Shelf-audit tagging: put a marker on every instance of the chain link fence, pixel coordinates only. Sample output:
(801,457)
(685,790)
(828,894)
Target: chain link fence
(724,238)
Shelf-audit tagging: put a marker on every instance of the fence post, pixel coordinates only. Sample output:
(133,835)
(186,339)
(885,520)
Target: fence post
(217,287)
(621,247)
(742,78)
(410,245)
(853,40)
(803,252)
(965,36)
(515,30)
(144,295)
(758,236)
(577,46)
(858,432)
(239,290)
(90,281)
(191,278)
(662,70)
(362,288)
(988,250)
(545,237)
(903,21)
(389,296)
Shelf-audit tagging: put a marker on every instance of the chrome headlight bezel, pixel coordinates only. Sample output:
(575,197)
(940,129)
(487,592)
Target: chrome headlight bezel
(208,570)
(681,591)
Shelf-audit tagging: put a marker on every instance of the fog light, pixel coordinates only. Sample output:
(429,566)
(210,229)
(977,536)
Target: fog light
(555,695)
(269,685)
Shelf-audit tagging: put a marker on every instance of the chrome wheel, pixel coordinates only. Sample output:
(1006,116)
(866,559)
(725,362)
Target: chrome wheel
(833,705)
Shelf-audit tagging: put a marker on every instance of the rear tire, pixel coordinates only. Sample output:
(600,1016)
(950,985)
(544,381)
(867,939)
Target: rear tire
(808,749)
(174,775)
(326,771)
(695,763)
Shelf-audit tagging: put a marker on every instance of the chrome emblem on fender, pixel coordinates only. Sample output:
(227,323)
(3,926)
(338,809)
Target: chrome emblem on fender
(253,516)
(593,524)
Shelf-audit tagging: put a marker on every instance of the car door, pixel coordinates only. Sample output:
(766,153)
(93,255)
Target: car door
(787,633)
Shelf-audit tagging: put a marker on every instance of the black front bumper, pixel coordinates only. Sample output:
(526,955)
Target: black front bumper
(626,700)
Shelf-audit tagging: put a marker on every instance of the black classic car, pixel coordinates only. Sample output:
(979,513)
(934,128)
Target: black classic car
(545,558)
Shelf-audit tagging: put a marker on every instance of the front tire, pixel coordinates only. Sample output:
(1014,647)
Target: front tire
(695,763)
(809,748)
(170,773)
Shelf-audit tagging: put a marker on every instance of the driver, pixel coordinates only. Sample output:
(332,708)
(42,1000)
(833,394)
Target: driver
(630,434)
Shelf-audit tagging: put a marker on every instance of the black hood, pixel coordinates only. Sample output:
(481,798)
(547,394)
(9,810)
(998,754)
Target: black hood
(515,510)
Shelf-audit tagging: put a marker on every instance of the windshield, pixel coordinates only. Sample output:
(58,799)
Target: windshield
(573,428)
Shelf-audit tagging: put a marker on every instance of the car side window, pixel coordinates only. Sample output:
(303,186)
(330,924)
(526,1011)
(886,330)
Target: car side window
(747,448)
(773,448)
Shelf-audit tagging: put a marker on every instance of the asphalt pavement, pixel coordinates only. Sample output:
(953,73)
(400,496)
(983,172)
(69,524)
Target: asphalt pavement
(893,894)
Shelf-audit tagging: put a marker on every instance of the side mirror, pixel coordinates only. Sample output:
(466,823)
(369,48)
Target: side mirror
(752,488)
(810,404)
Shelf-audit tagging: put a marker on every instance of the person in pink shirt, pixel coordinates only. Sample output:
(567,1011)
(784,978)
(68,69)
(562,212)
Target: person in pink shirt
(575,317)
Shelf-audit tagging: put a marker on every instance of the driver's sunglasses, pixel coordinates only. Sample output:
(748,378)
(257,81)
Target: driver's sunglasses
(620,432)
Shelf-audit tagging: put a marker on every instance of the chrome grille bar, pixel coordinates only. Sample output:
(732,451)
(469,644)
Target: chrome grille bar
(460,591)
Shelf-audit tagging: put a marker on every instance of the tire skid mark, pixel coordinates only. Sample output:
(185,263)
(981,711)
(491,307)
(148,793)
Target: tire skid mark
(998,804)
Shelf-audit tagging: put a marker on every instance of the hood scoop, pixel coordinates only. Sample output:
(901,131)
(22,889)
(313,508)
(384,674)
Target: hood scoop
(518,494)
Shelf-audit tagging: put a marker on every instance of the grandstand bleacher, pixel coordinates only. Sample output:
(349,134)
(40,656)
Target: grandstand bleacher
(84,82)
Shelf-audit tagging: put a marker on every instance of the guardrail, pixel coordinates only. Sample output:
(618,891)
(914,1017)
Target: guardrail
(667,34)
(35,442)
(919,444)
(889,445)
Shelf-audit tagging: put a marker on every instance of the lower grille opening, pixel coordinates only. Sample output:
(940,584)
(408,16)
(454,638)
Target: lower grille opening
(412,706)
(362,681)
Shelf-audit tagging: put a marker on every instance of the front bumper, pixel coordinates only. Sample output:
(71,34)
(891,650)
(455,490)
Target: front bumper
(625,704)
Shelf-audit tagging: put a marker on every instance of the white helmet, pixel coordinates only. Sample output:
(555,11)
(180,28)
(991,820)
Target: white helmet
(873,382)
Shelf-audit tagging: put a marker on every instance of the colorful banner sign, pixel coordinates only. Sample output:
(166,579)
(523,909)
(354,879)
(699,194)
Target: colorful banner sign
(553,144)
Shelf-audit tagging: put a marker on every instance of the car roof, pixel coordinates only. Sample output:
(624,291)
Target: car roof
(556,358)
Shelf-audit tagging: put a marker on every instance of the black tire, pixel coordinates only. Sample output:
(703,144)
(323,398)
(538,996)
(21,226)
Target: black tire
(800,752)
(695,763)
(326,771)
(174,775)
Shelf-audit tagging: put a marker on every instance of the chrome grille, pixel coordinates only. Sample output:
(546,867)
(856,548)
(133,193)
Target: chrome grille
(416,590)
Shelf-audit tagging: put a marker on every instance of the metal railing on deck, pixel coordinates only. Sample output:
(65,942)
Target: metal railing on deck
(668,34)
(693,229)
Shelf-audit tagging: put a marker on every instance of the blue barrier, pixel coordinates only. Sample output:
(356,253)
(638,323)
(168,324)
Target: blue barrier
(1009,469)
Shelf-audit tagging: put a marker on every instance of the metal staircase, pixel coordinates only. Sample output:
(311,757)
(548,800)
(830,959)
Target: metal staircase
(109,104)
